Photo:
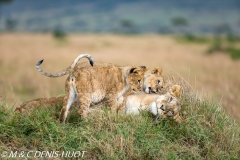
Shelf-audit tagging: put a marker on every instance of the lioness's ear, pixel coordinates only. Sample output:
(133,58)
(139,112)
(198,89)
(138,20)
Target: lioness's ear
(175,90)
(157,71)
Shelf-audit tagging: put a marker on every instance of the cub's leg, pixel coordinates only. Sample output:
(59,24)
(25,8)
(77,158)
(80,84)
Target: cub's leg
(121,103)
(69,99)
(84,102)
(114,102)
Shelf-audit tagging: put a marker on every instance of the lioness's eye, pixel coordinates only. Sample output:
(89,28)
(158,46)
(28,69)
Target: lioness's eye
(170,100)
(158,81)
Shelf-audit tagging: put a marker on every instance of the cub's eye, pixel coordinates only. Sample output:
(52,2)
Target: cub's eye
(158,81)
(170,100)
(139,81)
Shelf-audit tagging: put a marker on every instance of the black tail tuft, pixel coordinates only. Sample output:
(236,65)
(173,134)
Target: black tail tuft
(40,62)
(91,62)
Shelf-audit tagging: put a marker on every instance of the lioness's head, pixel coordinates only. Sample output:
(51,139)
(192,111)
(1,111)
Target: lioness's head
(136,78)
(170,106)
(153,81)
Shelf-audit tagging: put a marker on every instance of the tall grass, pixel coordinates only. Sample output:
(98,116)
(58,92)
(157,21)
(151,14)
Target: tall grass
(206,133)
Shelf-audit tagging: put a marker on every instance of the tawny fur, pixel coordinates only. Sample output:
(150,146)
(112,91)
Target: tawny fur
(164,106)
(38,103)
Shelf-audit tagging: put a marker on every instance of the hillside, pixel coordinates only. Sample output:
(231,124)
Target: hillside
(206,133)
(135,16)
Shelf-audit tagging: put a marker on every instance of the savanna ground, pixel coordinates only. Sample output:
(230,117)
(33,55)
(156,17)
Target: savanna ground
(215,76)
(206,133)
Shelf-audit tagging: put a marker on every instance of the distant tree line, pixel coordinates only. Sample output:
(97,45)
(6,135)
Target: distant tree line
(5,1)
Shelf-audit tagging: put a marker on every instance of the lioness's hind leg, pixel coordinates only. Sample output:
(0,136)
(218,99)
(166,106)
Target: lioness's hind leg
(69,99)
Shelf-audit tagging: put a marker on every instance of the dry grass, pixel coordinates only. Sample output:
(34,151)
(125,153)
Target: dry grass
(214,75)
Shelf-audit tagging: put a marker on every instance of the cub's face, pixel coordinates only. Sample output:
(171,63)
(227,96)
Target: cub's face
(168,107)
(153,82)
(136,78)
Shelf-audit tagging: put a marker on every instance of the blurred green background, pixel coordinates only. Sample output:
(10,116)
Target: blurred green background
(122,16)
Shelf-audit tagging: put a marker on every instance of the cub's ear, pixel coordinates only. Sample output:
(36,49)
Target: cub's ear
(134,71)
(158,71)
(175,90)
(144,68)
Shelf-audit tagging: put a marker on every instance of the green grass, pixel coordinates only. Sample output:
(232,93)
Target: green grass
(191,38)
(218,46)
(206,133)
(234,53)
(233,38)
(225,44)
(59,34)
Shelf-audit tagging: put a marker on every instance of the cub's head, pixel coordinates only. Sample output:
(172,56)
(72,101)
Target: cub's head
(169,106)
(136,78)
(153,81)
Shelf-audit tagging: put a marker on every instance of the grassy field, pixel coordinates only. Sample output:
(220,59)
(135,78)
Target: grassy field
(209,82)
(214,76)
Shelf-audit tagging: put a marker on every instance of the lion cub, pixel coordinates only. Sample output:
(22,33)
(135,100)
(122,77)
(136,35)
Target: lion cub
(162,106)
(96,83)
(153,81)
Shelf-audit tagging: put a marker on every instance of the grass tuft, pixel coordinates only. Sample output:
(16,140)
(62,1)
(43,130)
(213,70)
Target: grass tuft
(191,38)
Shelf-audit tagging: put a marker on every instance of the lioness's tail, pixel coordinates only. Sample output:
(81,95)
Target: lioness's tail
(65,71)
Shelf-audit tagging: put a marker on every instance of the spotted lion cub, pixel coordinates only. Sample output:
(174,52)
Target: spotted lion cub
(162,106)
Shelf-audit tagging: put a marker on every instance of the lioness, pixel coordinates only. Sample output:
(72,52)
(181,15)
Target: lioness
(163,106)
(92,84)
(39,102)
